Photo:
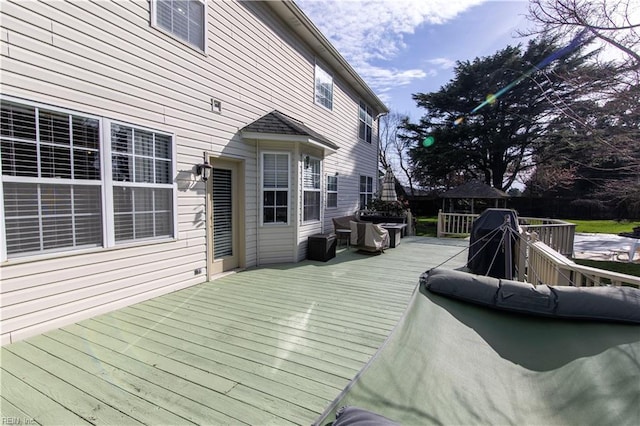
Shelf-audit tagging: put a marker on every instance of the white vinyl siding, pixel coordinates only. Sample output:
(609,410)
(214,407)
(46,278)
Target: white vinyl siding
(184,19)
(275,188)
(323,88)
(332,191)
(311,190)
(54,194)
(102,58)
(366,191)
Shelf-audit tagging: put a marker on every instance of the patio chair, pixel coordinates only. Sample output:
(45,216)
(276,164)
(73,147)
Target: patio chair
(369,237)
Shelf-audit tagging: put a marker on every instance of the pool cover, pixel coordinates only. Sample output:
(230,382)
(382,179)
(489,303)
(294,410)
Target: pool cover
(449,362)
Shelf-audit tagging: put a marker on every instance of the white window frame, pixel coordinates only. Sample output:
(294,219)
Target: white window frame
(367,122)
(331,191)
(156,25)
(263,189)
(318,98)
(306,189)
(110,184)
(106,192)
(367,194)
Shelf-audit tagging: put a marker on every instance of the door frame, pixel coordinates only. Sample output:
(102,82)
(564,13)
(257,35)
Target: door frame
(238,203)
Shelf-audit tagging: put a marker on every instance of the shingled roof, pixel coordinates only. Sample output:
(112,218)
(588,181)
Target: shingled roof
(474,189)
(276,124)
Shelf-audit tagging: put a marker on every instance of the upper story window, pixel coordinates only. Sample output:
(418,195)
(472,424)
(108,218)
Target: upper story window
(324,88)
(332,191)
(366,123)
(311,188)
(185,19)
(275,188)
(56,195)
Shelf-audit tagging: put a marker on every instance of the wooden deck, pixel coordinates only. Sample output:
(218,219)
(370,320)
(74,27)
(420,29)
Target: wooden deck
(269,345)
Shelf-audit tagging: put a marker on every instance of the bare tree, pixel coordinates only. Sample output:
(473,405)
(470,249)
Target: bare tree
(615,22)
(394,150)
(609,132)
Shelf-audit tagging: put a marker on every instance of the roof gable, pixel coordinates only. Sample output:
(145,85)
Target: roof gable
(276,124)
(474,189)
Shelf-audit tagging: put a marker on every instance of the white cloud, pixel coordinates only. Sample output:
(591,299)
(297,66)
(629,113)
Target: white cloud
(442,63)
(366,31)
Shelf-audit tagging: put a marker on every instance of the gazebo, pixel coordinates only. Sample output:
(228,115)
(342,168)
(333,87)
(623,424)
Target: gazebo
(473,194)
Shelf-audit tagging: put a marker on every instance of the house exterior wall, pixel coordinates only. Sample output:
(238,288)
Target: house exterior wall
(105,59)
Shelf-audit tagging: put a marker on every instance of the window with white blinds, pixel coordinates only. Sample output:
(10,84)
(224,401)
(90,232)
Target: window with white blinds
(142,187)
(185,19)
(275,188)
(54,192)
(222,213)
(311,189)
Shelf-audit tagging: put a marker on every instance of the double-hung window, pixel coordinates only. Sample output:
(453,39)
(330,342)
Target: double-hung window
(311,190)
(366,123)
(332,191)
(366,191)
(56,195)
(324,88)
(184,19)
(275,188)
(141,163)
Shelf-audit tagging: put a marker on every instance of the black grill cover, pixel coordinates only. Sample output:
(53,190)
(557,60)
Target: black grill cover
(485,243)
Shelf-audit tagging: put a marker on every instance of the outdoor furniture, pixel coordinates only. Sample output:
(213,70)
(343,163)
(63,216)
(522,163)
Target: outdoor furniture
(344,235)
(369,237)
(635,245)
(395,232)
(321,247)
(342,228)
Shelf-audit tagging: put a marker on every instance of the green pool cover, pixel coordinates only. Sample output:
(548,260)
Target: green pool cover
(452,363)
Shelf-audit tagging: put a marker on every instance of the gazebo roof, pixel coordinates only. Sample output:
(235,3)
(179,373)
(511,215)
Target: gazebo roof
(474,189)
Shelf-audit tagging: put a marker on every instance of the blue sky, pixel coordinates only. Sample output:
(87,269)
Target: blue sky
(401,47)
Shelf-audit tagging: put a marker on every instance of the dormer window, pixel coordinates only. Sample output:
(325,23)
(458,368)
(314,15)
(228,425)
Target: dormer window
(184,19)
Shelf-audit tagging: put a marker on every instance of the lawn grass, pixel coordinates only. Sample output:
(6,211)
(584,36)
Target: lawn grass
(603,226)
(427,226)
(620,267)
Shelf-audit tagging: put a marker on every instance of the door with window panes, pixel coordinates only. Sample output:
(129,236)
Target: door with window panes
(224,202)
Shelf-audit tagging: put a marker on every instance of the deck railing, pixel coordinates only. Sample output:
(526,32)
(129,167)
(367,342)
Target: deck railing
(544,259)
(455,224)
(543,265)
(555,233)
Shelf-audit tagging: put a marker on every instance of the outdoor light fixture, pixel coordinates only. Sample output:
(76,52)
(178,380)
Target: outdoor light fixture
(306,161)
(204,170)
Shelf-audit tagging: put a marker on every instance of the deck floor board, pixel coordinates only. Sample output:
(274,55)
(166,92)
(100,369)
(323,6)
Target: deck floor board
(269,345)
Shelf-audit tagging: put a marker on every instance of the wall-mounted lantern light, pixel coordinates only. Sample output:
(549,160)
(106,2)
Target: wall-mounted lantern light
(307,160)
(204,170)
